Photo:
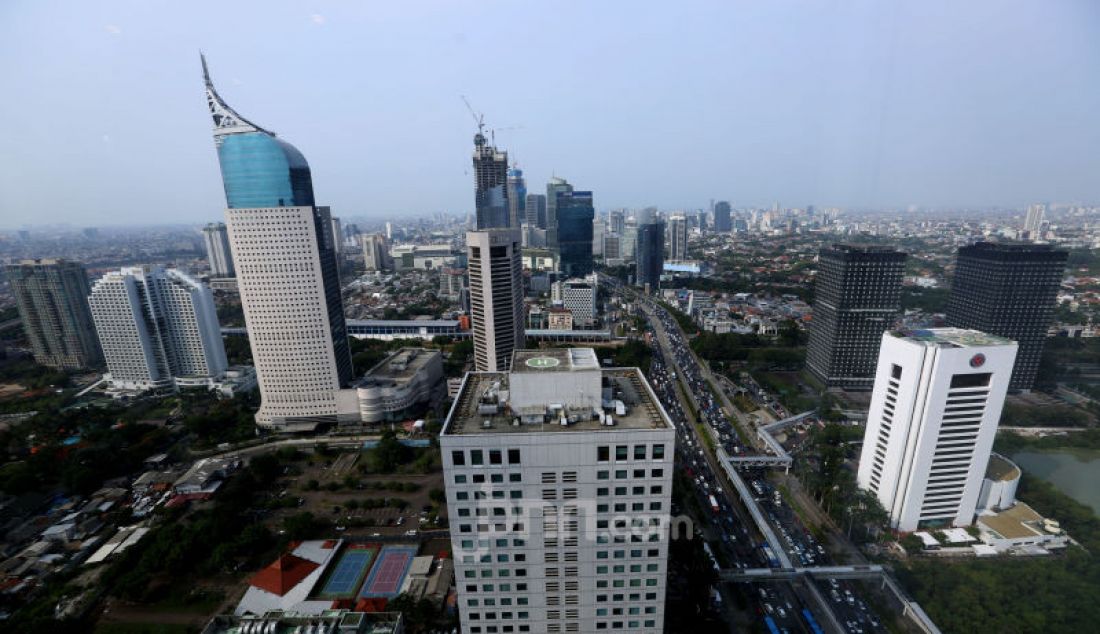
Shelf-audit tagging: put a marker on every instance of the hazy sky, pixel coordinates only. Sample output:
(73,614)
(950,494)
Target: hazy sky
(841,102)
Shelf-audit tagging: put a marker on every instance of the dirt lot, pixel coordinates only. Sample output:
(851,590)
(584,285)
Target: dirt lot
(322,488)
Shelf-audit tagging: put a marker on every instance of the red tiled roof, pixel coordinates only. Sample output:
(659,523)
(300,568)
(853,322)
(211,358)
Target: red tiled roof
(283,574)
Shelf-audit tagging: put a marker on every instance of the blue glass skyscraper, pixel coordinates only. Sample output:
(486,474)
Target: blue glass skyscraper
(517,198)
(575,213)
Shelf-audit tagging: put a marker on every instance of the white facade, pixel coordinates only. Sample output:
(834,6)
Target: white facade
(218,253)
(279,274)
(937,399)
(578,296)
(158,328)
(496,296)
(677,238)
(558,527)
(376,252)
(405,378)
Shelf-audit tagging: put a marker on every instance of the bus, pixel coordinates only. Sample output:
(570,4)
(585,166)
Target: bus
(811,621)
(770,622)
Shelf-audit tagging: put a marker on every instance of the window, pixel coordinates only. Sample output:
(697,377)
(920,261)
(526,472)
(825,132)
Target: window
(513,456)
(639,452)
(655,489)
(621,452)
(495,457)
(476,457)
(658,452)
(497,478)
(970,380)
(462,495)
(895,371)
(458,458)
(603,453)
(515,477)
(602,475)
(657,473)
(639,473)
(620,474)
(479,478)
(460,479)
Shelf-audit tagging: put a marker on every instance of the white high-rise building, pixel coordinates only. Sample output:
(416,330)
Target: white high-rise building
(578,296)
(496,296)
(158,329)
(337,234)
(376,252)
(558,479)
(218,254)
(677,237)
(937,399)
(291,294)
(1033,223)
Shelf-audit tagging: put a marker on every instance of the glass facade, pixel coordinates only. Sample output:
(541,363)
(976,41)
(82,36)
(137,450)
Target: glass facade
(574,215)
(260,170)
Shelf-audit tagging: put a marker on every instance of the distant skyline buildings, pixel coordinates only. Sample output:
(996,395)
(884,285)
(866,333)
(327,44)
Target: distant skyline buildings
(517,197)
(554,186)
(722,222)
(857,295)
(158,329)
(1008,290)
(535,210)
(649,249)
(677,233)
(51,296)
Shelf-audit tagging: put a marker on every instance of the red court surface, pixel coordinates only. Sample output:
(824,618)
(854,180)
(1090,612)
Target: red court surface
(388,572)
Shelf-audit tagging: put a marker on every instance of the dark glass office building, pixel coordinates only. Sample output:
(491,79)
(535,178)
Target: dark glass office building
(574,212)
(649,251)
(722,217)
(857,296)
(1008,290)
(535,210)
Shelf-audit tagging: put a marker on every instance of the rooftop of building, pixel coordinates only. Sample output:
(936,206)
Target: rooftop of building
(1019,522)
(952,337)
(1001,469)
(399,367)
(469,415)
(555,360)
(862,248)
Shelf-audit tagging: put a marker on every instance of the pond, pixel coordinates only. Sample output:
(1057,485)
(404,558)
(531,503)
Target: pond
(1074,472)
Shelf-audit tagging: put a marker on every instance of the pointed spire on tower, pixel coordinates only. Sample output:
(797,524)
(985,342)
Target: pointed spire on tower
(226,120)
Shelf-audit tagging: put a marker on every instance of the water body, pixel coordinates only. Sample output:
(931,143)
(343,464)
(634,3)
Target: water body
(1075,472)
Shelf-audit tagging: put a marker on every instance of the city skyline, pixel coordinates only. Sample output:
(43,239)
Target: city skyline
(924,110)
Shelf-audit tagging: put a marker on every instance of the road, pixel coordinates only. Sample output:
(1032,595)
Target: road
(780,602)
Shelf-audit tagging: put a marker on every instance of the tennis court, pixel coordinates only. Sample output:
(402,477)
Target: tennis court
(348,573)
(389,572)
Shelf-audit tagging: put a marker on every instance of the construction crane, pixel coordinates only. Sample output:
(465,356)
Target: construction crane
(479,118)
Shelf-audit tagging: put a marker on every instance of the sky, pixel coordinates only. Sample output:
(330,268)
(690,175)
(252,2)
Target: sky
(850,103)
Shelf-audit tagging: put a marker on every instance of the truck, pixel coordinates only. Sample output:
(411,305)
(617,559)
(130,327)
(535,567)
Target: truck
(713,503)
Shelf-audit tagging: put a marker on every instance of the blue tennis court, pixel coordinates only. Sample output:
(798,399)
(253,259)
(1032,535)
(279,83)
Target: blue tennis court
(345,578)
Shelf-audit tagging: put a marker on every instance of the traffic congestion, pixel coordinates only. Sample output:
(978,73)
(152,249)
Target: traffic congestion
(783,606)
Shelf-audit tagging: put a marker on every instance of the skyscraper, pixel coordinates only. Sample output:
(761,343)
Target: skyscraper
(677,237)
(158,328)
(337,235)
(490,185)
(496,296)
(574,213)
(937,399)
(536,466)
(535,210)
(1008,290)
(649,250)
(857,296)
(376,252)
(722,217)
(287,275)
(52,298)
(218,253)
(616,221)
(1033,224)
(553,188)
(517,198)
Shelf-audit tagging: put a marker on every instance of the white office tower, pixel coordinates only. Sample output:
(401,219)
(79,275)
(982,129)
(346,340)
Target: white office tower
(218,254)
(158,329)
(578,296)
(496,296)
(291,298)
(558,477)
(937,399)
(677,238)
(376,252)
(1033,223)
